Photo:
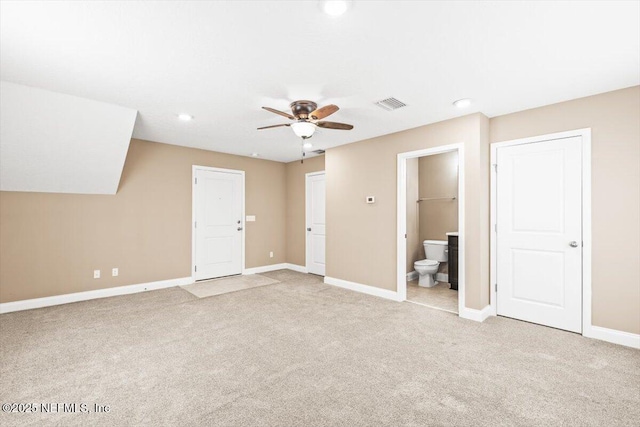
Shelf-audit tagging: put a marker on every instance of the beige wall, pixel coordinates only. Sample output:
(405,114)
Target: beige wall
(361,238)
(295,209)
(438,176)
(414,244)
(614,119)
(51,243)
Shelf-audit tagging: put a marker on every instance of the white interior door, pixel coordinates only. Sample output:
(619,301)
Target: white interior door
(315,212)
(539,232)
(218,206)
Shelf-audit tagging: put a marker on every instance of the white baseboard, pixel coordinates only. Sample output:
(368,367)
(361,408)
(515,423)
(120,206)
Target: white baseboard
(29,304)
(365,289)
(413,275)
(613,336)
(274,267)
(476,315)
(264,268)
(296,267)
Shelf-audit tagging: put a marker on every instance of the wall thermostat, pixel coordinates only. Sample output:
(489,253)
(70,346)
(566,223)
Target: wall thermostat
(371,199)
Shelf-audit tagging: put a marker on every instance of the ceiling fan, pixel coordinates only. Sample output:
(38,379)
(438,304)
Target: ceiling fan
(306,117)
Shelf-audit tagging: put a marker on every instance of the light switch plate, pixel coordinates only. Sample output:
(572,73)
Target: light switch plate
(251,218)
(96,274)
(114,272)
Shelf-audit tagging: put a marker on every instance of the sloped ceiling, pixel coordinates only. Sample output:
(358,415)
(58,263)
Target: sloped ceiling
(220,61)
(51,142)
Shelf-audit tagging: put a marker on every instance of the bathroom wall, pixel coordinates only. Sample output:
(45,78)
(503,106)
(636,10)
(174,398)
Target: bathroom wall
(361,237)
(414,244)
(438,175)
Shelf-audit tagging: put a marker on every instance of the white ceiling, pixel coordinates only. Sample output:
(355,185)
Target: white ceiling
(56,143)
(221,61)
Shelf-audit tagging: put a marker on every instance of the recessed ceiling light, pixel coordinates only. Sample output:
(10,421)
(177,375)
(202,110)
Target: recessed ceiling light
(335,7)
(185,117)
(254,154)
(307,145)
(462,103)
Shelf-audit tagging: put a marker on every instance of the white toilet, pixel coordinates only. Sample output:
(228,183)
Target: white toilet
(436,252)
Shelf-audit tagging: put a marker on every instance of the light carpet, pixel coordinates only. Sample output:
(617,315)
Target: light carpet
(302,353)
(225,285)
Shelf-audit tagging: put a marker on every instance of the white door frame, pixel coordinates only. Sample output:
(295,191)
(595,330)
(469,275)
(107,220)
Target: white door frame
(306,218)
(195,168)
(585,134)
(402,219)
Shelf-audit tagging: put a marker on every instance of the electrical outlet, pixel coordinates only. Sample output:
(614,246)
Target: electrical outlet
(114,272)
(96,274)
(271,254)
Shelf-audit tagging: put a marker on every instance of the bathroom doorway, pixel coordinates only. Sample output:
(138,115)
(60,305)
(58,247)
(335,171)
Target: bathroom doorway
(430,227)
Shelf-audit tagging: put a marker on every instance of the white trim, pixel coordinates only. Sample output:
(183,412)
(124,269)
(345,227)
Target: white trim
(29,304)
(587,243)
(274,267)
(611,335)
(365,289)
(402,218)
(296,267)
(265,268)
(412,275)
(585,134)
(307,245)
(476,315)
(193,214)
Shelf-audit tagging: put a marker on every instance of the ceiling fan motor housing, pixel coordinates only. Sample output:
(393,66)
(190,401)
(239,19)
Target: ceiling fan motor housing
(302,109)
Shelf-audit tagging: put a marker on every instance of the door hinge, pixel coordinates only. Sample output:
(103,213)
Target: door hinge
(495,166)
(405,235)
(195,268)
(496,287)
(195,224)
(495,227)
(196,180)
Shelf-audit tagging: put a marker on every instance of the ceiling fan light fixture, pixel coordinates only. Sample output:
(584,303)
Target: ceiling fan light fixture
(185,117)
(335,7)
(303,129)
(307,145)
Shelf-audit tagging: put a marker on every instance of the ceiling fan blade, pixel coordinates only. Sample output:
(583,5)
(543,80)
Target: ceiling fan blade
(274,126)
(323,112)
(334,125)
(282,113)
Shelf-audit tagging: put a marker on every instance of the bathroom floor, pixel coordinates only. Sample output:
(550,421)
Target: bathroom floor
(439,296)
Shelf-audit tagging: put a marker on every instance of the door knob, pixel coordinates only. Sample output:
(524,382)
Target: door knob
(239,228)
(573,244)
(309,229)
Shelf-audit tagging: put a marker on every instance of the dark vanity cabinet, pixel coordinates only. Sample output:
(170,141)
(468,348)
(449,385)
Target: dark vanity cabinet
(453,262)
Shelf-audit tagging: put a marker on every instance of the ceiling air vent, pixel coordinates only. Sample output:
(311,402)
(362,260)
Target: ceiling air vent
(318,151)
(390,104)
